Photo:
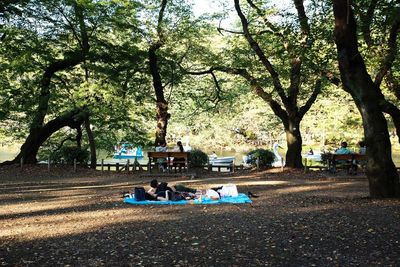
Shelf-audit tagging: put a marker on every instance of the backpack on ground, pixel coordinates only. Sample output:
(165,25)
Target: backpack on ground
(140,194)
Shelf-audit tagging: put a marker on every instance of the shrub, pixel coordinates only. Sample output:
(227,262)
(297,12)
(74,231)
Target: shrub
(197,158)
(69,153)
(266,157)
(325,157)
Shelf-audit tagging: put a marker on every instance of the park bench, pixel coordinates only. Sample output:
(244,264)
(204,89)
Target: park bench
(171,158)
(346,161)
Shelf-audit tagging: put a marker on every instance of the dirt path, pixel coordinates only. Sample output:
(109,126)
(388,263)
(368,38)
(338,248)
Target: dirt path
(65,218)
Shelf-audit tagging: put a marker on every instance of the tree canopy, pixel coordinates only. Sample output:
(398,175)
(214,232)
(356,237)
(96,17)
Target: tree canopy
(93,73)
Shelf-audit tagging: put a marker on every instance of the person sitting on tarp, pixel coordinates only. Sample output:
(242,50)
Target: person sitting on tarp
(177,187)
(161,191)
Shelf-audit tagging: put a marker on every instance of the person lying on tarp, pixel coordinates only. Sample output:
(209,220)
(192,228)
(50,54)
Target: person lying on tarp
(161,191)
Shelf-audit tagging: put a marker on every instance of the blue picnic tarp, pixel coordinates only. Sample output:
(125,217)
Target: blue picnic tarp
(240,199)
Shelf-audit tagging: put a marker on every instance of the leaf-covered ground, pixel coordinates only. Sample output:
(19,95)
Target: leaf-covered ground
(314,219)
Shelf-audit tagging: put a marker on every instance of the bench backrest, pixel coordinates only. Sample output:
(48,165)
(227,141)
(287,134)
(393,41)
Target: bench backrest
(349,157)
(342,157)
(152,154)
(359,156)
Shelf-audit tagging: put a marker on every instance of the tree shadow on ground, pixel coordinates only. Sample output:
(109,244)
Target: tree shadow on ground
(322,222)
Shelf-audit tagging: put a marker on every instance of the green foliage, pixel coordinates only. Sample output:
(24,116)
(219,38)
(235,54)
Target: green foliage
(265,157)
(197,158)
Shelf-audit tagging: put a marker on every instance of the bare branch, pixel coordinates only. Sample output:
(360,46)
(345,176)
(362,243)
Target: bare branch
(256,88)
(301,14)
(220,30)
(218,90)
(317,89)
(160,21)
(257,49)
(71,25)
(272,28)
(294,81)
(394,112)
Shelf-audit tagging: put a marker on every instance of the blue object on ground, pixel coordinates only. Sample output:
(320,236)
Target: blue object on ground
(240,199)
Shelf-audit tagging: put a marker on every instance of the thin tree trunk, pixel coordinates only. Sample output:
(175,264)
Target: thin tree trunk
(79,137)
(92,144)
(162,115)
(162,122)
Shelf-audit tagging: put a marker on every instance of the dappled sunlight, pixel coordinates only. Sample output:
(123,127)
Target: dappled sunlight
(269,182)
(71,223)
(312,187)
(219,178)
(43,206)
(253,183)
(58,187)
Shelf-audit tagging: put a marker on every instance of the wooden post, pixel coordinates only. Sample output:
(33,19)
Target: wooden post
(233,166)
(102,165)
(168,164)
(48,164)
(258,164)
(282,165)
(135,163)
(22,163)
(305,165)
(117,166)
(209,165)
(127,165)
(74,165)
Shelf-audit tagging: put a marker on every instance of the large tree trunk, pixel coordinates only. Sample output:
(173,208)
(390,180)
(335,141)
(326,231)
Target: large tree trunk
(294,144)
(381,172)
(39,135)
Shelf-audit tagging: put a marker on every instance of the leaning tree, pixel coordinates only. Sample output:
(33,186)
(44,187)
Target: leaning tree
(41,128)
(381,172)
(51,43)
